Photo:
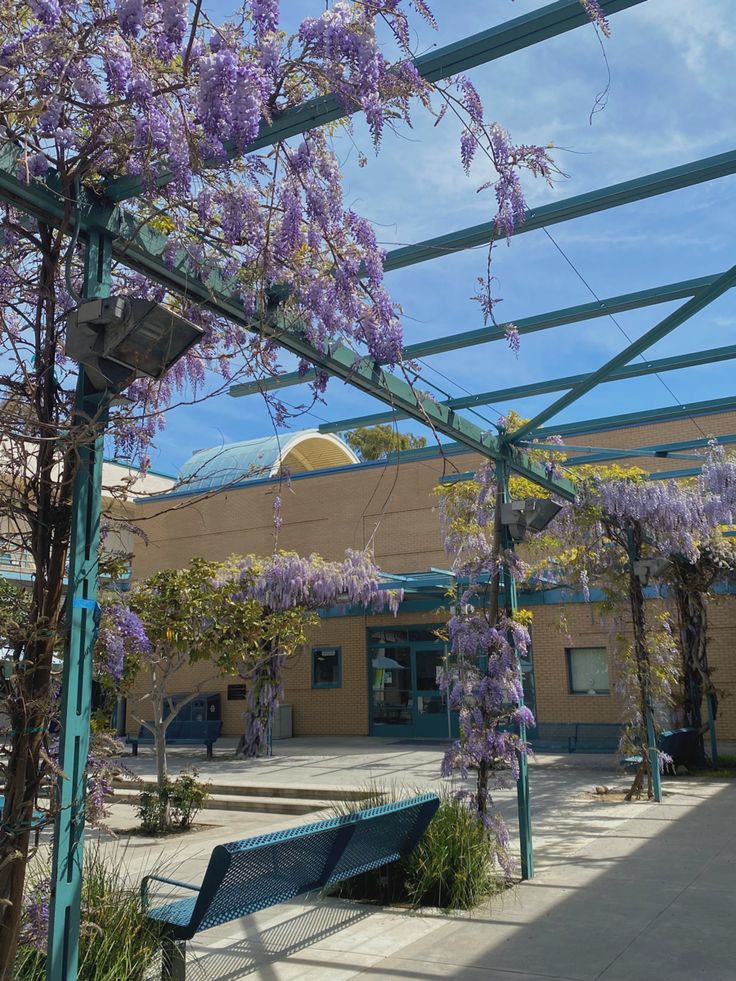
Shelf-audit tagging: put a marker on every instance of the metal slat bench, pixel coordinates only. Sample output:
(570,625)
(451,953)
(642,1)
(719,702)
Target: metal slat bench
(182,733)
(39,819)
(596,737)
(243,877)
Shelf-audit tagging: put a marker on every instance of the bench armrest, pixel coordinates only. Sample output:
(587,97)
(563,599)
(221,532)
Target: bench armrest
(159,878)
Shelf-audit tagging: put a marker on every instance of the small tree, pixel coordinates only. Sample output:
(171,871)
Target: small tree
(376,442)
(486,641)
(288,589)
(177,618)
(617,522)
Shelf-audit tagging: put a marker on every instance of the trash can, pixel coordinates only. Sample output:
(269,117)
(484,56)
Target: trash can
(282,727)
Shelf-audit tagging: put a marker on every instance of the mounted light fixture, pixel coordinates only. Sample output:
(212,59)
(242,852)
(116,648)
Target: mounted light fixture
(647,569)
(121,338)
(531,514)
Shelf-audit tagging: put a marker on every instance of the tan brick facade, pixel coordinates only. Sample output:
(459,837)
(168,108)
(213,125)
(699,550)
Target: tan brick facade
(393,508)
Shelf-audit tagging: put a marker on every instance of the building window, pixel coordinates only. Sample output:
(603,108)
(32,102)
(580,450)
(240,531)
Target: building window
(326,667)
(587,670)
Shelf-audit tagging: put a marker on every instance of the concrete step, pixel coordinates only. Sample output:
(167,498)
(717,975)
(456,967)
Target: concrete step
(248,790)
(237,802)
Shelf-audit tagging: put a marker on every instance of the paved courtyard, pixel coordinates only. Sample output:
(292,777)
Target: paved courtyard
(623,892)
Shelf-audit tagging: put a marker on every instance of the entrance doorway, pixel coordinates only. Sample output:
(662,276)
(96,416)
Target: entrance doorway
(405,667)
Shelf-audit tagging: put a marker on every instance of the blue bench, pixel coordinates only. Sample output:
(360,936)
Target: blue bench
(243,877)
(182,733)
(39,819)
(597,737)
(575,737)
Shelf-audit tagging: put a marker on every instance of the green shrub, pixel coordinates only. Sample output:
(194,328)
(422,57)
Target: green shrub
(116,940)
(186,799)
(172,807)
(451,867)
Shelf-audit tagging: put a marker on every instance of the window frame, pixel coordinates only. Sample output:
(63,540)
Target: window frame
(312,663)
(590,693)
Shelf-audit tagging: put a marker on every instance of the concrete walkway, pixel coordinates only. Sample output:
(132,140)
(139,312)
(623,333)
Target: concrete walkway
(623,892)
(649,899)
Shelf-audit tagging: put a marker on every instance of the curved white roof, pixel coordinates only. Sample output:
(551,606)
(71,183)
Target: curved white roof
(254,459)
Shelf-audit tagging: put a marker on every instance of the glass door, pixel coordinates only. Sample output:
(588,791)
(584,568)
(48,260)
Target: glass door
(392,690)
(405,666)
(431,717)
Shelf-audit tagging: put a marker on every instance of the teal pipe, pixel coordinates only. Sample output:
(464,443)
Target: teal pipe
(90,409)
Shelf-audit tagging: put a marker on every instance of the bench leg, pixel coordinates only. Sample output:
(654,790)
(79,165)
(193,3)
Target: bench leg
(209,751)
(135,748)
(174,960)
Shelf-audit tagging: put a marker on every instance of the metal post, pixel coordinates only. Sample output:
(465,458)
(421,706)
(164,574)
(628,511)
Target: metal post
(651,750)
(526,844)
(90,409)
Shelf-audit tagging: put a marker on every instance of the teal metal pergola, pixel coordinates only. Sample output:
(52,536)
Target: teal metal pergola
(113,233)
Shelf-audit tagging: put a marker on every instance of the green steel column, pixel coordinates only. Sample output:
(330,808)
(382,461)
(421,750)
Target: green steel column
(526,844)
(90,408)
(651,748)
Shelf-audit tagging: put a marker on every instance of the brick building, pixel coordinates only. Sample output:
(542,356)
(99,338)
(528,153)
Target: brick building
(375,674)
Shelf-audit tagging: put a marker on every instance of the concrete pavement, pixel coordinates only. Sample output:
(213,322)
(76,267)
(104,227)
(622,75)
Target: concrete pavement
(623,892)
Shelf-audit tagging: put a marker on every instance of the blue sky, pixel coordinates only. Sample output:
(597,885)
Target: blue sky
(671,101)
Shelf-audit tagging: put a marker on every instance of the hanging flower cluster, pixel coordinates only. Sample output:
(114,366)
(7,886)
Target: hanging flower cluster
(288,580)
(170,104)
(122,631)
(483,682)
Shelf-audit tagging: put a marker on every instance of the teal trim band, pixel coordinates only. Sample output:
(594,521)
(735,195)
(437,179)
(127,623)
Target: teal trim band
(85,604)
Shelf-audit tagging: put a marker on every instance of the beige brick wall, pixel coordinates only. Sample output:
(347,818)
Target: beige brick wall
(344,711)
(393,508)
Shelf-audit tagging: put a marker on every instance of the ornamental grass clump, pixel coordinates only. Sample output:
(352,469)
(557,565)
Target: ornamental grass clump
(116,940)
(453,867)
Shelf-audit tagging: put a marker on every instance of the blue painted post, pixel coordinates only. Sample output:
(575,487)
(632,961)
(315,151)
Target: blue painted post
(526,844)
(91,409)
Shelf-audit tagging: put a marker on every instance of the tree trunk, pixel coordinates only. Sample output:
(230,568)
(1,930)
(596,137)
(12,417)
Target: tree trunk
(160,725)
(692,615)
(643,676)
(264,694)
(39,508)
(482,790)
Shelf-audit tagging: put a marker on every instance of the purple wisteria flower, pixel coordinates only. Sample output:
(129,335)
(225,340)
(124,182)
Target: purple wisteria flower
(122,630)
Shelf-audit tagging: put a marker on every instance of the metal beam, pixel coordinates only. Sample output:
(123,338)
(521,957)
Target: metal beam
(607,453)
(143,249)
(675,474)
(668,413)
(702,299)
(673,179)
(525,325)
(638,370)
(452,59)
(673,363)
(662,450)
(557,318)
(273,384)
